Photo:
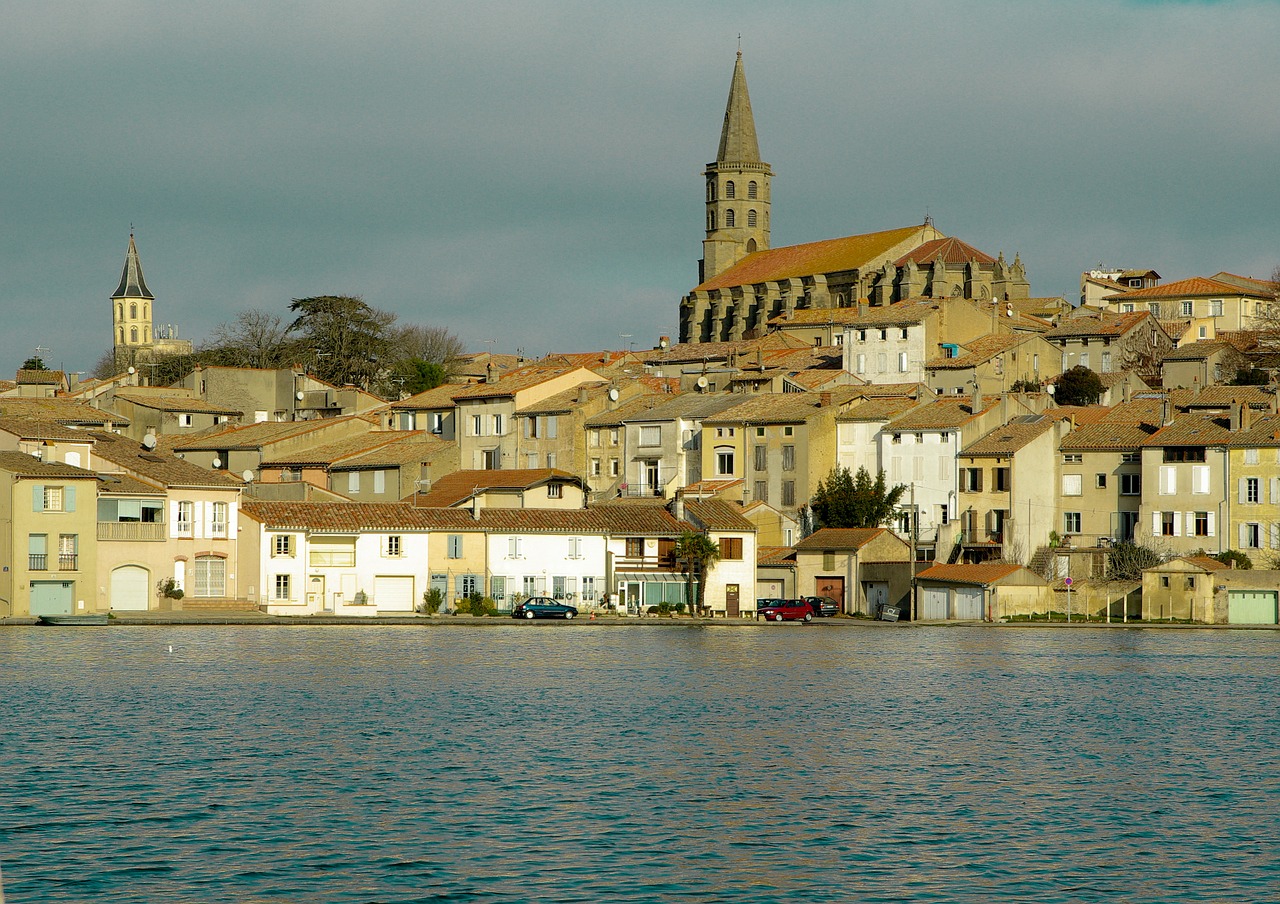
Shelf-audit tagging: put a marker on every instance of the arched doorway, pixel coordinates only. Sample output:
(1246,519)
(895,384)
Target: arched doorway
(131,588)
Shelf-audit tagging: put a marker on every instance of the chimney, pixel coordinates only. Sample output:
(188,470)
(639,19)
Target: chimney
(490,376)
(677,507)
(975,400)
(664,341)
(1124,391)
(1246,416)
(824,399)
(1166,413)
(475,505)
(582,395)
(1235,417)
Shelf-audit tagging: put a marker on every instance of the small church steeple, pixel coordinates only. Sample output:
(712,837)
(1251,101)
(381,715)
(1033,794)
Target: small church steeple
(737,202)
(131,306)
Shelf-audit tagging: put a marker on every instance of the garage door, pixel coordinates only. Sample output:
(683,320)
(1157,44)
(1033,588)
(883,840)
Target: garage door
(968,603)
(933,602)
(51,598)
(130,587)
(1252,607)
(393,594)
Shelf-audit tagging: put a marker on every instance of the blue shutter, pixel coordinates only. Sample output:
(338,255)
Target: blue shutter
(69,499)
(37,497)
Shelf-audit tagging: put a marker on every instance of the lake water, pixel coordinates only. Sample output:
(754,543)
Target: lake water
(533,762)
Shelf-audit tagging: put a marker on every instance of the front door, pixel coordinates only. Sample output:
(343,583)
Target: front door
(877,596)
(832,587)
(315,592)
(731,600)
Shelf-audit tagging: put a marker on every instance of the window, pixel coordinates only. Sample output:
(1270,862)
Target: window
(1084,359)
(751,190)
(751,219)
(211,576)
(635,547)
(788,492)
(557,586)
(530,585)
(186,515)
(1215,307)
(788,430)
(759,454)
(454,545)
(282,545)
(1200,480)
(730,191)
(1251,456)
(761,491)
(1100,481)
(728,218)
(555,491)
(1249,490)
(477,425)
(467,584)
(1184,453)
(593,438)
(861,365)
(1071,522)
(436,419)
(1130,484)
(971,480)
(393,547)
(588,588)
(284,589)
(1186,308)
(882,362)
(353,481)
(1250,536)
(1106,362)
(731,548)
(724,462)
(613,467)
(613,436)
(651,436)
(498,587)
(1072,459)
(595,467)
(1168,524)
(218,519)
(1168,480)
(1202,524)
(575,547)
(902,362)
(133,334)
(497,425)
(1071,485)
(1154,308)
(828,560)
(711,220)
(788,458)
(184,420)
(38,552)
(332,552)
(513,547)
(1131,457)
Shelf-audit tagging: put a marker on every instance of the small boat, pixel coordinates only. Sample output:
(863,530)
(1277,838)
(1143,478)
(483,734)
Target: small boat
(74,620)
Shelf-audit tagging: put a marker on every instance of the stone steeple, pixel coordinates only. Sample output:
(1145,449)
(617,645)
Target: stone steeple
(131,306)
(737,202)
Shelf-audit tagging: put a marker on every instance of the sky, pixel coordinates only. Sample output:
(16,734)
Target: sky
(528,174)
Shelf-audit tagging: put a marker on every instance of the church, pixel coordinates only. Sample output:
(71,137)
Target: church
(744,285)
(134,336)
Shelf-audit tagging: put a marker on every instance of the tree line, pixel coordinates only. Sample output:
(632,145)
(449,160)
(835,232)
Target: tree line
(340,339)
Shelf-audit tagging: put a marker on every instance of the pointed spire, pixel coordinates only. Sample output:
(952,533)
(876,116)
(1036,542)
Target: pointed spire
(738,137)
(132,285)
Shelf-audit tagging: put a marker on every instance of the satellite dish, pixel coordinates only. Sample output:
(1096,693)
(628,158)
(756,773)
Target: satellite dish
(217,462)
(702,382)
(248,476)
(299,396)
(149,441)
(613,394)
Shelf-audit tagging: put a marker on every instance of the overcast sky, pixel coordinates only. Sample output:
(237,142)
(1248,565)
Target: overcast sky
(530,172)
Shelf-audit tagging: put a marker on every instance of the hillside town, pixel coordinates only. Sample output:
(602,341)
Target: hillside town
(1113,455)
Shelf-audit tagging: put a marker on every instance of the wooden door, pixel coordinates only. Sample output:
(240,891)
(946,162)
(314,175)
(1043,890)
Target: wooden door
(731,604)
(832,587)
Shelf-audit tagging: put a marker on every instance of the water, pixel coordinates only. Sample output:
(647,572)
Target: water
(582,763)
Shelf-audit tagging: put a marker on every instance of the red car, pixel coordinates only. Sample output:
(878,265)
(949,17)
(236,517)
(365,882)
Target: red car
(785,610)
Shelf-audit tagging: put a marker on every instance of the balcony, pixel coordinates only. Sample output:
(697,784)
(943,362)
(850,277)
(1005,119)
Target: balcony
(38,561)
(130,530)
(68,561)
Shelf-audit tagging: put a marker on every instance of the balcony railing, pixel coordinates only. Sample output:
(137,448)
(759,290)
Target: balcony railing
(130,530)
(38,561)
(68,561)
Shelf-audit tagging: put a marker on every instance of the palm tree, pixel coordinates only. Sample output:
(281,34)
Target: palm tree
(695,553)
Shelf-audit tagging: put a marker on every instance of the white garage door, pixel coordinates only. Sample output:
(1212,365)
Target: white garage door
(130,588)
(933,602)
(968,603)
(1251,607)
(393,594)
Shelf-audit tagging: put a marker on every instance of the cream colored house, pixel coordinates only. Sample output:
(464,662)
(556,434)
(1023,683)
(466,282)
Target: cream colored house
(862,569)
(994,361)
(1209,304)
(731,580)
(47,538)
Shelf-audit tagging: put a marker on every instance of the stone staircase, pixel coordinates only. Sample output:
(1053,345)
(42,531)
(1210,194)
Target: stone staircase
(1042,561)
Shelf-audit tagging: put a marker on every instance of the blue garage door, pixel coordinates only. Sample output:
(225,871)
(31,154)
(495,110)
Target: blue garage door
(51,597)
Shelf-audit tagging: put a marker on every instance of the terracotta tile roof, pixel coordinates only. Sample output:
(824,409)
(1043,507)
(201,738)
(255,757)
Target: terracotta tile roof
(711,487)
(831,256)
(512,382)
(878,409)
(249,436)
(816,379)
(902,313)
(944,414)
(565,402)
(416,446)
(1197,351)
(41,377)
(979,351)
(1082,415)
(840,538)
(690,406)
(1136,411)
(24,465)
(162,467)
(176,403)
(332,453)
(1205,562)
(451,489)
(346,517)
(126,485)
(1191,430)
(716,514)
(1106,437)
(1194,287)
(1008,439)
(781,408)
(948,250)
(1261,433)
(1224,396)
(64,411)
(1102,325)
(697,352)
(968,574)
(439,397)
(904,390)
(775,555)
(591,360)
(40,428)
(633,408)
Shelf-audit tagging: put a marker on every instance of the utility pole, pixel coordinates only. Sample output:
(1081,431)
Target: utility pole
(915,526)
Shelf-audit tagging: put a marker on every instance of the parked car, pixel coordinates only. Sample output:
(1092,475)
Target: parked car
(543,607)
(823,606)
(784,610)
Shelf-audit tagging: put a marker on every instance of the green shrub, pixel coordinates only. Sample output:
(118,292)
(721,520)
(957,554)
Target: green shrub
(432,600)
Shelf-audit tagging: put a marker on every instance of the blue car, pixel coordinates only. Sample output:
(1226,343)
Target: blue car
(543,607)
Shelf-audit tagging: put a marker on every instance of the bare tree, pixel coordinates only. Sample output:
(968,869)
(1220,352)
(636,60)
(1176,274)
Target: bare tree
(432,344)
(253,339)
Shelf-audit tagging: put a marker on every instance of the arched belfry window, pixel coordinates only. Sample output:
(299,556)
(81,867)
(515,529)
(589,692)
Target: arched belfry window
(122,333)
(751,219)
(711,189)
(146,311)
(729,190)
(120,311)
(711,221)
(146,334)
(728,218)
(751,190)
(133,311)
(133,334)
(751,246)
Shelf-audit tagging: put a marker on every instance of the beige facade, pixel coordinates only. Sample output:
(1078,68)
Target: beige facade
(1210,304)
(860,568)
(993,362)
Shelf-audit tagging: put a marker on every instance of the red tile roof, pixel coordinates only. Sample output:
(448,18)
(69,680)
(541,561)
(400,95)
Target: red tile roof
(968,574)
(948,250)
(716,514)
(459,486)
(840,538)
(1196,286)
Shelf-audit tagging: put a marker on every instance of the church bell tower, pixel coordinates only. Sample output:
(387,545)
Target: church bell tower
(131,309)
(737,187)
